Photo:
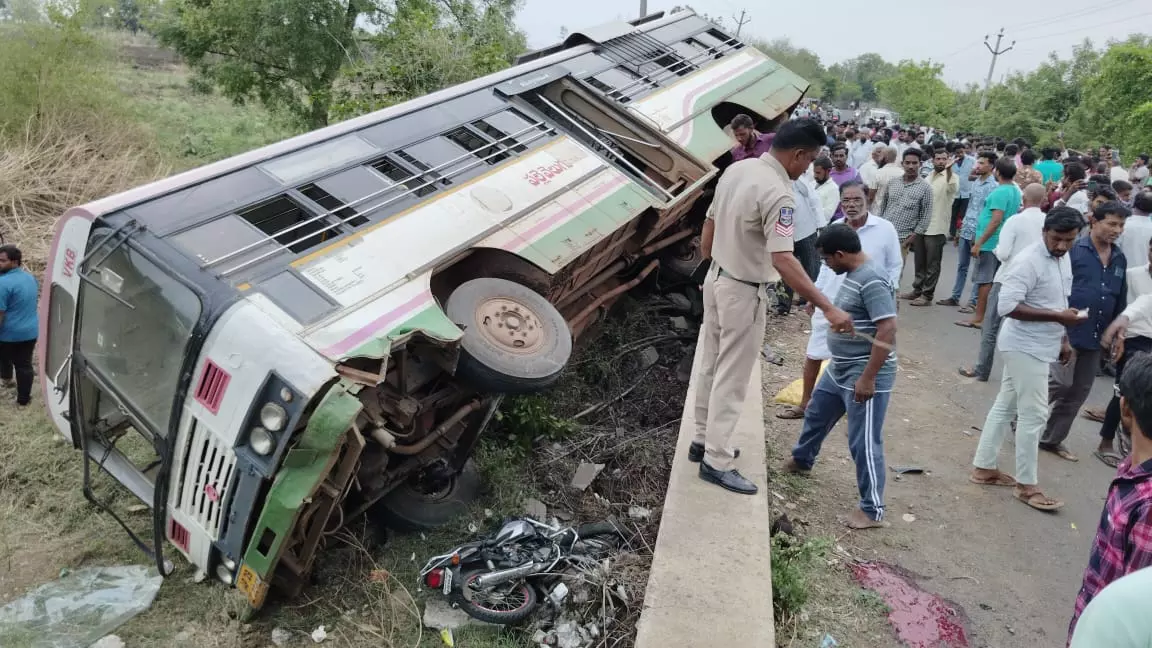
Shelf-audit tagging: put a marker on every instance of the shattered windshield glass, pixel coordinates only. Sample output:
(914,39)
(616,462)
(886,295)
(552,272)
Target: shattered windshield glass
(135,323)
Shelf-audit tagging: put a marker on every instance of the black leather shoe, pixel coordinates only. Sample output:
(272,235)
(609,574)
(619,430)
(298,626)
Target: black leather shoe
(696,452)
(727,479)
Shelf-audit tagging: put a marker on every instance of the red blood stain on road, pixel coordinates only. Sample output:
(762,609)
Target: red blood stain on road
(921,619)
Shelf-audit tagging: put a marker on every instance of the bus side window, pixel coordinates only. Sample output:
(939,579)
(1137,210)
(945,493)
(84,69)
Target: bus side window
(61,318)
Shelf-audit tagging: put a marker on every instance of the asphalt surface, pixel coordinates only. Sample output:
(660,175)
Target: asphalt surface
(1029,564)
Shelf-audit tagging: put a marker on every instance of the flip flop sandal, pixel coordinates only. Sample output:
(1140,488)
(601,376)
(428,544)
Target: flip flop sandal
(1062,452)
(1110,459)
(1000,479)
(966,310)
(967,325)
(1092,414)
(876,524)
(792,412)
(1040,501)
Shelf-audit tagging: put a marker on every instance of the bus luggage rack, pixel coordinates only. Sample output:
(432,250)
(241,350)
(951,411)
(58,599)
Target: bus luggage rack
(664,72)
(425,178)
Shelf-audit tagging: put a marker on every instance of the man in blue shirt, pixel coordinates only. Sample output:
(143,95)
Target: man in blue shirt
(963,167)
(981,183)
(19,324)
(1099,285)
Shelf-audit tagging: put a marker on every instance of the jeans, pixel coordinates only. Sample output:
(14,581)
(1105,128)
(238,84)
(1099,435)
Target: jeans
(963,261)
(927,252)
(16,358)
(1132,346)
(989,331)
(1024,393)
(805,252)
(865,437)
(1068,388)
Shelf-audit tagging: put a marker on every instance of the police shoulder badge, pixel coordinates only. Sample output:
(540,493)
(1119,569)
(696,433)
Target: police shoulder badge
(784,222)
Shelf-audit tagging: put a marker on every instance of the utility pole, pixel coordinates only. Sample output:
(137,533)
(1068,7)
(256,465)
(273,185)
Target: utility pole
(741,21)
(996,52)
(643,8)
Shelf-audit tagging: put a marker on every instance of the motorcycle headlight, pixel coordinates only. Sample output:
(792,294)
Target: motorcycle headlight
(273,417)
(262,441)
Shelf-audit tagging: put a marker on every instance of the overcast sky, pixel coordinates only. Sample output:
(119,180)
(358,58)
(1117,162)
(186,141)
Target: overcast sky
(946,31)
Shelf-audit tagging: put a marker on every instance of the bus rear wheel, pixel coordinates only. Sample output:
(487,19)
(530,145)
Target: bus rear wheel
(515,341)
(418,506)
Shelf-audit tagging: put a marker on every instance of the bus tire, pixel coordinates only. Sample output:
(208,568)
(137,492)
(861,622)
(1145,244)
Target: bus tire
(515,341)
(684,259)
(408,508)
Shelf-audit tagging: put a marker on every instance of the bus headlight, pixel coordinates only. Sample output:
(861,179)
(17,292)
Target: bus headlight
(273,417)
(262,441)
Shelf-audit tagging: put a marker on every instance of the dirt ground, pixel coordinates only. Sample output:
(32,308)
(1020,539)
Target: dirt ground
(1012,572)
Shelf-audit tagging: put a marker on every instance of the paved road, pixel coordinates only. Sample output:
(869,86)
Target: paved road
(1028,564)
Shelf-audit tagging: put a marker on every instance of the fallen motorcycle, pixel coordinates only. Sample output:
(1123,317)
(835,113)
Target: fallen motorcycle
(501,578)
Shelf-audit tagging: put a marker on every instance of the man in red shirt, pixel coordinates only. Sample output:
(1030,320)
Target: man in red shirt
(750,142)
(1124,538)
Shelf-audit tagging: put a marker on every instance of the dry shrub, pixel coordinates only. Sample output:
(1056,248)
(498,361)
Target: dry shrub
(57,163)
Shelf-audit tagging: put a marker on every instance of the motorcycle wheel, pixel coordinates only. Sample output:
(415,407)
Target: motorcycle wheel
(506,604)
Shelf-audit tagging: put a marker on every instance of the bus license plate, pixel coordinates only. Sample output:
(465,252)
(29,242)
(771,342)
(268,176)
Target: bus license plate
(254,588)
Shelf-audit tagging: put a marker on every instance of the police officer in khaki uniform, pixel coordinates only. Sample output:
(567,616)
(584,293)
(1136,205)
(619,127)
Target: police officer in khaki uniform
(748,234)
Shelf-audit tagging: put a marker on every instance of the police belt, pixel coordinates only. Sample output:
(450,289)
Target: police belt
(721,272)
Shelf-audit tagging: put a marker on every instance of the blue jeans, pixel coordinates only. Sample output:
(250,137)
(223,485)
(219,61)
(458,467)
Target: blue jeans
(964,249)
(865,437)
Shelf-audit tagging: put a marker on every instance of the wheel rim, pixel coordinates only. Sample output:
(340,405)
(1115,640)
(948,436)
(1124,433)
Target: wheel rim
(497,600)
(510,325)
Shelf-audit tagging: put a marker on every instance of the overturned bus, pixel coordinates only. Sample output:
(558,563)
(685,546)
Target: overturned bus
(326,324)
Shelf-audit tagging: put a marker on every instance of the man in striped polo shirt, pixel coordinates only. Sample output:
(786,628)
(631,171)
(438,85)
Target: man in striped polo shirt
(859,379)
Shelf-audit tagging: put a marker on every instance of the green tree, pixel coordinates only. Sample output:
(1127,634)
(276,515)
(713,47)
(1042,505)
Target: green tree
(285,53)
(864,70)
(800,60)
(430,45)
(918,93)
(1117,98)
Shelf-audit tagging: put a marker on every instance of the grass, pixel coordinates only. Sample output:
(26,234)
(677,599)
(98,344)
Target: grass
(192,128)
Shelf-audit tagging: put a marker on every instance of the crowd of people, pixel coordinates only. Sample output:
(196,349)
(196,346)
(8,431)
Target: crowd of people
(1055,250)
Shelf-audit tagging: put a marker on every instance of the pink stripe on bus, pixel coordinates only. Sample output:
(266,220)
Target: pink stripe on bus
(691,97)
(380,323)
(566,213)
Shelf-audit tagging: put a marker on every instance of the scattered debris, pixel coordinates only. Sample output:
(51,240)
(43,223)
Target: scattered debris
(535,509)
(771,356)
(985,606)
(907,470)
(908,517)
(584,476)
(781,525)
(488,513)
(568,635)
(679,323)
(447,638)
(319,635)
(139,508)
(647,357)
(639,512)
(281,636)
(680,302)
(440,615)
(111,641)
(378,576)
(828,642)
(105,597)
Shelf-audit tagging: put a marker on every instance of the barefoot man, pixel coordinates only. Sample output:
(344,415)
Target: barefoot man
(1034,302)
(859,378)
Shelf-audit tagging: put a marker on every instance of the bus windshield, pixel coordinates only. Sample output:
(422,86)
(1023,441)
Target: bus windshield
(135,322)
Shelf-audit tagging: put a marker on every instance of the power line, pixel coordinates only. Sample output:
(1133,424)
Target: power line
(1082,29)
(1051,20)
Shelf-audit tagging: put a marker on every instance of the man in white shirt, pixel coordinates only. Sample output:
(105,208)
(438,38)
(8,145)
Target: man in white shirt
(871,168)
(1034,302)
(1130,334)
(1118,172)
(1138,176)
(860,149)
(878,239)
(825,187)
(1021,231)
(1138,227)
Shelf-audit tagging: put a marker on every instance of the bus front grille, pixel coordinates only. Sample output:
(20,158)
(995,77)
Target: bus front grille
(206,478)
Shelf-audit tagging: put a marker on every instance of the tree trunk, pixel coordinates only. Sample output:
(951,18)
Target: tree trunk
(318,112)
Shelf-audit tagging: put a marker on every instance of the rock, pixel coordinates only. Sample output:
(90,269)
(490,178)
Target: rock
(908,517)
(639,512)
(535,509)
(183,635)
(111,641)
(563,516)
(647,357)
(679,323)
(684,369)
(319,635)
(281,637)
(681,303)
(440,615)
(568,636)
(539,637)
(585,474)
